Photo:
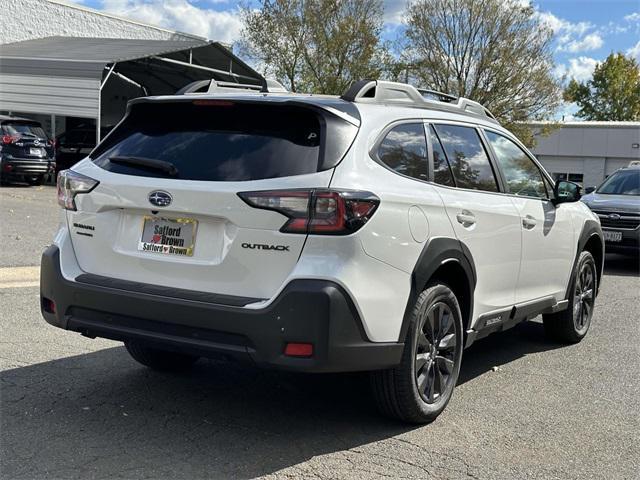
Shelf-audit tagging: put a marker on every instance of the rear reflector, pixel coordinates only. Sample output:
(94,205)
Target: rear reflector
(298,350)
(320,212)
(48,305)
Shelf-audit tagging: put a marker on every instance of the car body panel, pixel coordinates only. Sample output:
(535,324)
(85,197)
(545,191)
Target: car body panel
(548,240)
(374,266)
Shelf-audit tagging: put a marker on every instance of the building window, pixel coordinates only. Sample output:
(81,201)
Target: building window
(572,177)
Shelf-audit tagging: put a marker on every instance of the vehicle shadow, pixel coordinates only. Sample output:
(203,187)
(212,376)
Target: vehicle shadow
(621,265)
(503,348)
(102,414)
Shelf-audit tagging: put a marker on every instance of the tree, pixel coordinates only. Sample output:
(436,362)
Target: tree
(613,93)
(315,46)
(496,52)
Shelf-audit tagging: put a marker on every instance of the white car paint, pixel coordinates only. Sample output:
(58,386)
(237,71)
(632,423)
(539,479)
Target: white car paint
(374,265)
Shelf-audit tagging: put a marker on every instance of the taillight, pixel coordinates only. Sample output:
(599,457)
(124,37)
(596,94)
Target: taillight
(52,142)
(70,184)
(8,139)
(320,212)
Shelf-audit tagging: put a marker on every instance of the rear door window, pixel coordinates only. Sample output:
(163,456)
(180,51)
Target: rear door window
(216,140)
(404,149)
(468,159)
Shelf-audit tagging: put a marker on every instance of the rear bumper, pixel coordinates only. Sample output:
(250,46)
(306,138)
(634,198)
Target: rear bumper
(309,311)
(22,166)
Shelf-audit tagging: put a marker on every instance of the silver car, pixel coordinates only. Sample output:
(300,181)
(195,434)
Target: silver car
(617,202)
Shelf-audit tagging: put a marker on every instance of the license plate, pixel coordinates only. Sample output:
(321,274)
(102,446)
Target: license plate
(35,151)
(168,236)
(612,236)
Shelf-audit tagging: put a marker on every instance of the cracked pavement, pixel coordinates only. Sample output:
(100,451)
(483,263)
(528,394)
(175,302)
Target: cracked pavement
(74,408)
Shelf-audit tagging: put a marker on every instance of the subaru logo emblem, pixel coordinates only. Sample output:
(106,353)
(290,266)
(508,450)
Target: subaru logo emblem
(160,198)
(613,216)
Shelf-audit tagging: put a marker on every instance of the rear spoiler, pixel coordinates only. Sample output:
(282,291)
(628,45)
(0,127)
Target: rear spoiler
(343,110)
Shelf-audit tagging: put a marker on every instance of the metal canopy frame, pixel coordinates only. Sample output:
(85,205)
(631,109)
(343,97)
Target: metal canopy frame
(67,75)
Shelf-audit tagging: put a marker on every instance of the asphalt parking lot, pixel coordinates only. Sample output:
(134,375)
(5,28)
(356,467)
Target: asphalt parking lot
(71,407)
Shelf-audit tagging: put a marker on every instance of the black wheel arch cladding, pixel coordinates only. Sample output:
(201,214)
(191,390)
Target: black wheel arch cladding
(436,254)
(590,238)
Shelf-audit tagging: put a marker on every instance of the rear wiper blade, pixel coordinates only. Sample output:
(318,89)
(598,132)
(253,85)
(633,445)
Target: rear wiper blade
(150,163)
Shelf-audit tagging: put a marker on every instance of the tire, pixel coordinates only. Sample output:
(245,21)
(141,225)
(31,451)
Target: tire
(571,325)
(418,389)
(35,180)
(158,359)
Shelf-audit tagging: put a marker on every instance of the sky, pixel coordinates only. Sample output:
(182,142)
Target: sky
(586,31)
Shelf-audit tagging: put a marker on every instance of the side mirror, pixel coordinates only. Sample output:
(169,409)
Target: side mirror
(565,192)
(589,190)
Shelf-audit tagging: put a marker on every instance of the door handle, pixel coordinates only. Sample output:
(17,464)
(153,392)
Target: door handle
(529,222)
(466,218)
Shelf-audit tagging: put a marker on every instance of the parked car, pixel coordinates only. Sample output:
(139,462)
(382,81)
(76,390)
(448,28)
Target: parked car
(382,231)
(76,143)
(26,152)
(617,202)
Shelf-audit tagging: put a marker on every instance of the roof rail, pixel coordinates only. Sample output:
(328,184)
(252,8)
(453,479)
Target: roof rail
(216,86)
(379,91)
(439,96)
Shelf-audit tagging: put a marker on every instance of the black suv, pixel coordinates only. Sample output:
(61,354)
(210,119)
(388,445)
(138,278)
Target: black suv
(26,152)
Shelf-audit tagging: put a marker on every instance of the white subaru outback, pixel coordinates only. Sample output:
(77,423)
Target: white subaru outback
(384,231)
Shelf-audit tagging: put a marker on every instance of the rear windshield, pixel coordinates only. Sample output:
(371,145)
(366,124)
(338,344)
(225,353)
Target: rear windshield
(214,140)
(24,129)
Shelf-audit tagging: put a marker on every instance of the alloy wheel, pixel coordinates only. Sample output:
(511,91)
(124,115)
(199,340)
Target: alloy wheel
(435,352)
(583,298)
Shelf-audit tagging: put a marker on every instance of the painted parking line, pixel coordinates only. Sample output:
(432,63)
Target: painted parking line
(19,277)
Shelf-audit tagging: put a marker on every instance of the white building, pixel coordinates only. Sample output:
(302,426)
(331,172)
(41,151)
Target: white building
(588,152)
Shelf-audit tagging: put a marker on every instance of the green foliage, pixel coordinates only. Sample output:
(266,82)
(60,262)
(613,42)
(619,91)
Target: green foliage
(613,94)
(315,46)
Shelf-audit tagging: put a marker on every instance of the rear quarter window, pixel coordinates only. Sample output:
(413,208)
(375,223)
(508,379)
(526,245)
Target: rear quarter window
(404,150)
(217,140)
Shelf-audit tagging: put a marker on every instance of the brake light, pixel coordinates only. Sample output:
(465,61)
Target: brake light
(70,184)
(320,212)
(8,139)
(53,142)
(213,103)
